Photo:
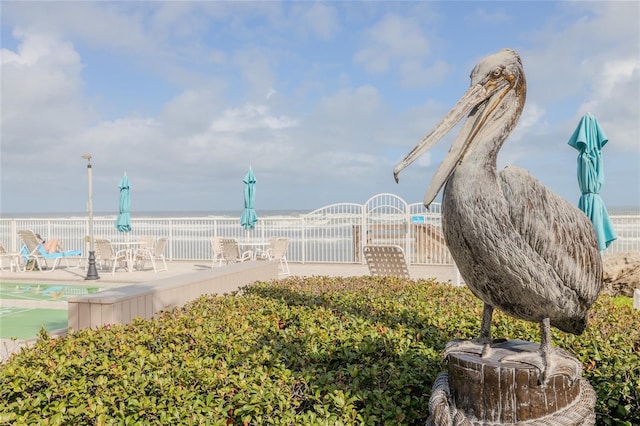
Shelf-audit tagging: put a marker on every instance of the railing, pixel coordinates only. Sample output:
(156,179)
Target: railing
(627,228)
(332,234)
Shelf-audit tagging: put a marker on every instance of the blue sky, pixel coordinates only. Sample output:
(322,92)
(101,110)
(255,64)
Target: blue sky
(321,99)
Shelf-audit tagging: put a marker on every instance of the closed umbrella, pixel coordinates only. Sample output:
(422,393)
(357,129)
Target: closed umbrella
(589,139)
(123,221)
(248,218)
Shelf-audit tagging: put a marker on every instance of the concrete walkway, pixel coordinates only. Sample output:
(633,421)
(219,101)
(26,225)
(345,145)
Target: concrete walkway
(121,278)
(77,276)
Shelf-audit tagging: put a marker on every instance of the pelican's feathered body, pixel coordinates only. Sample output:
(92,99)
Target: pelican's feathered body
(526,251)
(519,247)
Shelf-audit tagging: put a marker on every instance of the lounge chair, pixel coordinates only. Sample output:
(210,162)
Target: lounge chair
(33,251)
(152,254)
(386,261)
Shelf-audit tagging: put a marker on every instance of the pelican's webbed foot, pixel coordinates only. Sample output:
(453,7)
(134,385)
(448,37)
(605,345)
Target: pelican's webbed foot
(479,346)
(550,362)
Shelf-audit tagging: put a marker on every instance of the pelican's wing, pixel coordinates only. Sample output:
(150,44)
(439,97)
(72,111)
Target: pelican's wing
(559,232)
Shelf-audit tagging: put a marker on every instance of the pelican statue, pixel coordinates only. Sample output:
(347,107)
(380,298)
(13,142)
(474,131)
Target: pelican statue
(519,247)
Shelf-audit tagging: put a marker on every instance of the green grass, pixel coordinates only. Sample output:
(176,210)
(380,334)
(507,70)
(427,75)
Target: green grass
(622,301)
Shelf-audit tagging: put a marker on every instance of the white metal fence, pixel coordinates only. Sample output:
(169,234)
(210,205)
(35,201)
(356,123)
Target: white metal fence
(331,234)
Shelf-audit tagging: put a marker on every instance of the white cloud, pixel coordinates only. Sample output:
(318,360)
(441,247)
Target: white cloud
(257,67)
(526,139)
(250,117)
(585,59)
(321,19)
(496,16)
(618,114)
(415,75)
(392,38)
(114,25)
(191,111)
(618,71)
(531,118)
(42,92)
(399,45)
(271,92)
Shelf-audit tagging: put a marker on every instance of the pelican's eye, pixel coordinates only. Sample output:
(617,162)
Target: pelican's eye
(496,73)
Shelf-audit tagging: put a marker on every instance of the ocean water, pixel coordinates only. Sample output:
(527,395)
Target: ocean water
(624,210)
(613,210)
(159,214)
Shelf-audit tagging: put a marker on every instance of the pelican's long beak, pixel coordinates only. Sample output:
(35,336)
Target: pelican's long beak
(473,97)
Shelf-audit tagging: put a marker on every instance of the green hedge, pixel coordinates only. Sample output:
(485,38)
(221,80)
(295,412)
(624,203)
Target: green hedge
(294,352)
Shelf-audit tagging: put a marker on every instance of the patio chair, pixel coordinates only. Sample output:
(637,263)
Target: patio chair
(386,261)
(14,259)
(216,248)
(277,250)
(146,242)
(231,251)
(107,256)
(152,254)
(32,250)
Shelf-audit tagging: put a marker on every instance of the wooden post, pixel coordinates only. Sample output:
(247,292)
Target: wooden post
(356,242)
(488,390)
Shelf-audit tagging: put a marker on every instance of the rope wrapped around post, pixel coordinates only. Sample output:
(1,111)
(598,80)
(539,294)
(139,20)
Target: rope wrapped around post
(444,413)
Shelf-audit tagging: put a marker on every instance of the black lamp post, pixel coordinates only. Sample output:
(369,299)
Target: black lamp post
(92,271)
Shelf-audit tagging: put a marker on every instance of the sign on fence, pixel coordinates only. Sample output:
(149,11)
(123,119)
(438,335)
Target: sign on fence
(418,219)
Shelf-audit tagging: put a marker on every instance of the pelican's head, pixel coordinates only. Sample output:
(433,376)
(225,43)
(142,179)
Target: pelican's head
(494,103)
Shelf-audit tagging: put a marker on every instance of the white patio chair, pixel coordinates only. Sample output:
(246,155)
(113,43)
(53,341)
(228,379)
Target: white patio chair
(231,251)
(152,254)
(146,242)
(277,250)
(386,261)
(107,256)
(14,259)
(216,248)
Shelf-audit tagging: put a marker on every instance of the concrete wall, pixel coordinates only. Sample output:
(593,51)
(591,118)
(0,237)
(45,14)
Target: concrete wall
(145,300)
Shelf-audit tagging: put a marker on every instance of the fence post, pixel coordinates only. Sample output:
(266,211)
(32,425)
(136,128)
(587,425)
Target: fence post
(14,241)
(456,275)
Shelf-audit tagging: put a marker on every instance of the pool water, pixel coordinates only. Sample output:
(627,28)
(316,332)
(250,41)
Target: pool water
(45,292)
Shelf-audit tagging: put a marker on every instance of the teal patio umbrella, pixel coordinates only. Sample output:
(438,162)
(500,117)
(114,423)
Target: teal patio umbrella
(123,221)
(589,139)
(248,218)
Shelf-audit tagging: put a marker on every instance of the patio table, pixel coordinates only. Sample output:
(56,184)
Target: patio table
(253,246)
(130,250)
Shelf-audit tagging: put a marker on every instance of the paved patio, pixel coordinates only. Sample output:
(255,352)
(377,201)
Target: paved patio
(74,275)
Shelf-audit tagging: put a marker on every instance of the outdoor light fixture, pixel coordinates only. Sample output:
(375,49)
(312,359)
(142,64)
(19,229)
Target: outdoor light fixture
(92,271)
